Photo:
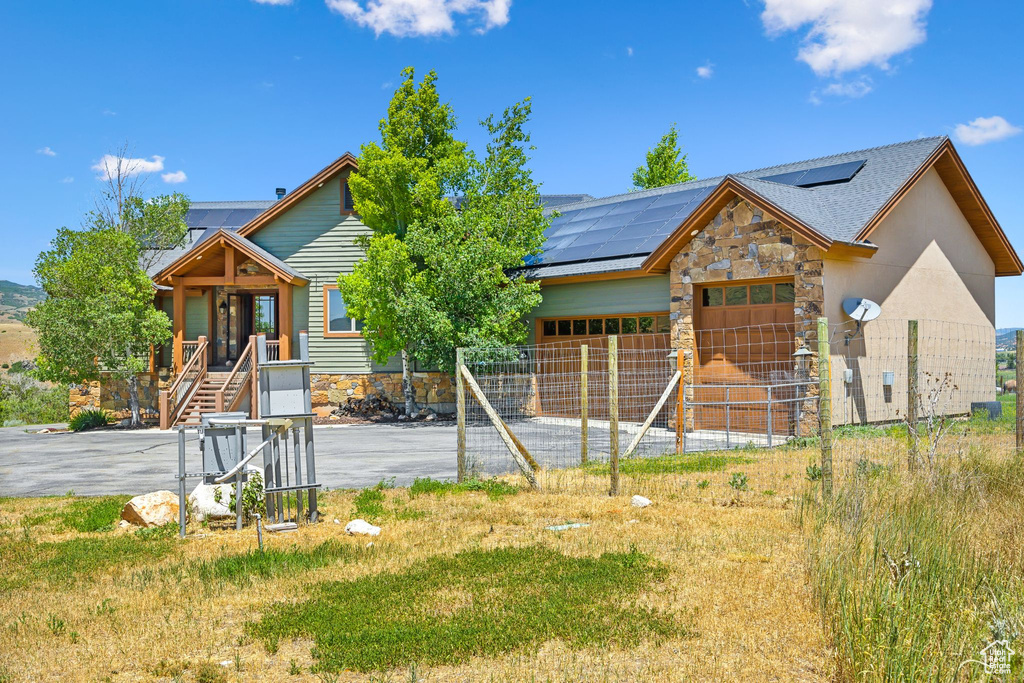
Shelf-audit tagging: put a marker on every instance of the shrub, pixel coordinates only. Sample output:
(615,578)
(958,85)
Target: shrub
(23,400)
(738,481)
(90,418)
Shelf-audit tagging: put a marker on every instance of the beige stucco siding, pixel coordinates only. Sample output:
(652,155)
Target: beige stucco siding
(931,267)
(929,264)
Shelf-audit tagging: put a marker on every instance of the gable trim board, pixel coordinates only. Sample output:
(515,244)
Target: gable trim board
(230,242)
(345,161)
(972,205)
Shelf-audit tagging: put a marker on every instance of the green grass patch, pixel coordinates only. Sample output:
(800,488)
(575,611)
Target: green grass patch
(671,462)
(372,504)
(448,608)
(65,562)
(494,488)
(242,568)
(93,514)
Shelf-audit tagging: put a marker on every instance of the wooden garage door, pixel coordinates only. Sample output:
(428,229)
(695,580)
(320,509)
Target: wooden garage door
(644,344)
(744,340)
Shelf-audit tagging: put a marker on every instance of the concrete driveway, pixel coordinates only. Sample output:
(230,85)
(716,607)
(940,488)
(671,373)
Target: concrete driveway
(132,462)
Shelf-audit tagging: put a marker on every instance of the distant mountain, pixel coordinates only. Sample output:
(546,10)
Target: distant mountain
(1006,337)
(16,300)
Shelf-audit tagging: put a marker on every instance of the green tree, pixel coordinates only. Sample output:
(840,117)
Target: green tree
(155,223)
(435,277)
(98,313)
(666,164)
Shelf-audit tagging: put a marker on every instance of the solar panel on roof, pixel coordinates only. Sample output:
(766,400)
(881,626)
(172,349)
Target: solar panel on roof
(809,177)
(831,174)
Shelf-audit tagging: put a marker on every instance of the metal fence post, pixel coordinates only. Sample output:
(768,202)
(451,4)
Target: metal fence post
(613,412)
(770,426)
(460,411)
(1020,380)
(825,407)
(912,392)
(584,418)
(728,445)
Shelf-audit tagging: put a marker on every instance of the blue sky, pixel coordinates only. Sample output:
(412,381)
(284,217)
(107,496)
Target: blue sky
(233,98)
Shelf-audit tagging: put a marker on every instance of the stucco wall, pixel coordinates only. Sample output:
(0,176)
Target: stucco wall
(929,264)
(930,267)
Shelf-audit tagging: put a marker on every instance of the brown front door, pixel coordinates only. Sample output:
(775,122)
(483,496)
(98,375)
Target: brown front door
(744,341)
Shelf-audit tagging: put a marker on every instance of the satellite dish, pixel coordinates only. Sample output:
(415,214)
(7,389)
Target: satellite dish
(861,310)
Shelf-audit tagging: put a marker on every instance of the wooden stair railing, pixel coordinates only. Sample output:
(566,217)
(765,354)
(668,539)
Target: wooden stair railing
(242,380)
(177,397)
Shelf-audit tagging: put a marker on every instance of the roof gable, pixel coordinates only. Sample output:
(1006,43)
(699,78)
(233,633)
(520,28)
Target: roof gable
(345,162)
(211,247)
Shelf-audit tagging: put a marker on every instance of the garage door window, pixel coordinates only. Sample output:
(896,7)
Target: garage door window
(742,295)
(641,323)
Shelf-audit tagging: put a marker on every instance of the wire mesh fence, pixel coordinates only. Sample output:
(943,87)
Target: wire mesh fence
(740,414)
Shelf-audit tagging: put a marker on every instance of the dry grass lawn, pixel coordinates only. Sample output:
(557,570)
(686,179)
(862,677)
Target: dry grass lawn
(17,342)
(732,582)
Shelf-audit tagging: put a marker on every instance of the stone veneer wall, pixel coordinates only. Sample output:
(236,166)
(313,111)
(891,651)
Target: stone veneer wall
(111,395)
(434,390)
(744,243)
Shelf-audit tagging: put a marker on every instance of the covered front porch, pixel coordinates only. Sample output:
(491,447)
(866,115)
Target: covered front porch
(220,295)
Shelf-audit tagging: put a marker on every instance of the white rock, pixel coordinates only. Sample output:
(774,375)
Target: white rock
(151,509)
(202,502)
(639,502)
(337,521)
(362,528)
(124,523)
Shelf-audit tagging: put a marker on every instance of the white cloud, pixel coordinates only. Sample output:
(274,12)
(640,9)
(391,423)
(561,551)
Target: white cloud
(985,129)
(852,89)
(174,177)
(849,34)
(109,112)
(706,71)
(68,179)
(629,51)
(422,17)
(46,151)
(107,166)
(273,2)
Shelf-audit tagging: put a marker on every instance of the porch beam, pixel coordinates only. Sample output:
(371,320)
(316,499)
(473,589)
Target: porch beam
(284,312)
(178,324)
(216,281)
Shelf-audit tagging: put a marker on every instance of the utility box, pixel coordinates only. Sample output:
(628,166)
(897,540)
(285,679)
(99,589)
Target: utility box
(222,447)
(284,388)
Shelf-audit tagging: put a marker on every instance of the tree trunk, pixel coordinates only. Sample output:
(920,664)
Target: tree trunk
(133,400)
(410,395)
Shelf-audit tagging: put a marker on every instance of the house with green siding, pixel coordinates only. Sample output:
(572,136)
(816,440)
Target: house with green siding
(755,257)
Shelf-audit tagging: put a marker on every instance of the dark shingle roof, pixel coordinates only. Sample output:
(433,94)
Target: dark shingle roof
(617,230)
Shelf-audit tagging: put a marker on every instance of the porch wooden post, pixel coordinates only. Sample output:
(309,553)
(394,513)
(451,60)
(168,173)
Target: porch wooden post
(211,323)
(178,298)
(284,306)
(229,264)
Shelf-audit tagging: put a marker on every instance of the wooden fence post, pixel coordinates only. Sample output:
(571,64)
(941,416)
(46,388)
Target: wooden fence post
(460,411)
(825,406)
(1020,381)
(613,412)
(912,392)
(584,419)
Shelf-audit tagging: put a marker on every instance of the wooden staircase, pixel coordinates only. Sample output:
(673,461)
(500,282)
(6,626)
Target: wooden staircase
(204,400)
